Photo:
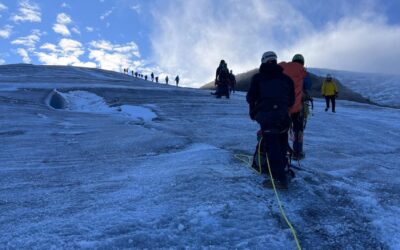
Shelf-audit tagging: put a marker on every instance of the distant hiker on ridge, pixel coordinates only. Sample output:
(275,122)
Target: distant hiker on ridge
(166,80)
(296,71)
(232,81)
(136,74)
(222,80)
(152,76)
(270,96)
(145,77)
(329,90)
(156,79)
(177,80)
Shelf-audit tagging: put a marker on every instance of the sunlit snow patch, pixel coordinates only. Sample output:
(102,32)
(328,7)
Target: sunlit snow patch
(136,112)
(83,101)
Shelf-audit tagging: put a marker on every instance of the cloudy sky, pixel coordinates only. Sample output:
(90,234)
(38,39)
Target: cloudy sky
(190,37)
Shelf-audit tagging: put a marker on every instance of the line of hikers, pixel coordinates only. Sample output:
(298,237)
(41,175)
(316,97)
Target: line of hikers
(279,101)
(153,78)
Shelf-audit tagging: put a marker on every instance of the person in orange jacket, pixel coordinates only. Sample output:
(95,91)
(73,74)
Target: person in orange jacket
(296,71)
(329,90)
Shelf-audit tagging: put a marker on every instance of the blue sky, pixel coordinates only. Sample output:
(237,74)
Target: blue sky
(189,37)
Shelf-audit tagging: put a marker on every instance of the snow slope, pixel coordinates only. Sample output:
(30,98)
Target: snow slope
(164,175)
(380,88)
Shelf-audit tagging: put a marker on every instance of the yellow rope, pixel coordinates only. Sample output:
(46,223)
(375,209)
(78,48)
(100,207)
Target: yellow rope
(280,205)
(248,161)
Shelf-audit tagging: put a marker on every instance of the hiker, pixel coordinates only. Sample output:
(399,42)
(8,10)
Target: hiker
(222,80)
(156,79)
(152,76)
(145,77)
(132,72)
(232,81)
(136,74)
(166,80)
(329,90)
(296,71)
(270,96)
(177,80)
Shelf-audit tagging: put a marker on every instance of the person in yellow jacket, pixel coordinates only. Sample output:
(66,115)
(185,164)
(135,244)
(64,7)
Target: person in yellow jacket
(330,91)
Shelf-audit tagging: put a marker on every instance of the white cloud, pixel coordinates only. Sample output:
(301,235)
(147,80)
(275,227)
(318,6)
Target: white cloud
(89,29)
(24,54)
(6,31)
(71,46)
(353,44)
(191,44)
(28,12)
(115,56)
(28,41)
(61,29)
(102,44)
(67,52)
(3,7)
(76,30)
(106,14)
(137,8)
(49,46)
(2,61)
(63,18)
(61,26)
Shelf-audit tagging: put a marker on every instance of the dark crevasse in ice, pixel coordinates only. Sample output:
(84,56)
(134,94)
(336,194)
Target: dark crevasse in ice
(56,101)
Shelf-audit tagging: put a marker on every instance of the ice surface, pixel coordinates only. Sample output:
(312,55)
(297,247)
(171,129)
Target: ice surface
(89,178)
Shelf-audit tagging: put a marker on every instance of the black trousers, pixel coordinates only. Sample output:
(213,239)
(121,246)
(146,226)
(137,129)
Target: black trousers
(297,126)
(276,145)
(330,98)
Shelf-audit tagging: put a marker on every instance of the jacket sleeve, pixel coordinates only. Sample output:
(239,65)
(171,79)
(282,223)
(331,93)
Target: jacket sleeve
(307,83)
(252,96)
(216,73)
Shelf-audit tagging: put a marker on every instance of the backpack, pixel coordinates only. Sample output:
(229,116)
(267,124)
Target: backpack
(223,75)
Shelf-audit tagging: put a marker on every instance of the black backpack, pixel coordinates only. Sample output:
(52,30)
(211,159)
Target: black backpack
(223,74)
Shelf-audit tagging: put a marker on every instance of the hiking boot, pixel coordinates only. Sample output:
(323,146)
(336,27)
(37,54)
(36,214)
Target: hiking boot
(333,111)
(282,185)
(298,156)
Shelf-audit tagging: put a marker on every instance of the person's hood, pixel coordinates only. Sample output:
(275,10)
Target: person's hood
(270,69)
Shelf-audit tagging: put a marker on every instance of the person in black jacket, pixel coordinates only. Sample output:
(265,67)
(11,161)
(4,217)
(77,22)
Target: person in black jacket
(270,96)
(222,80)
